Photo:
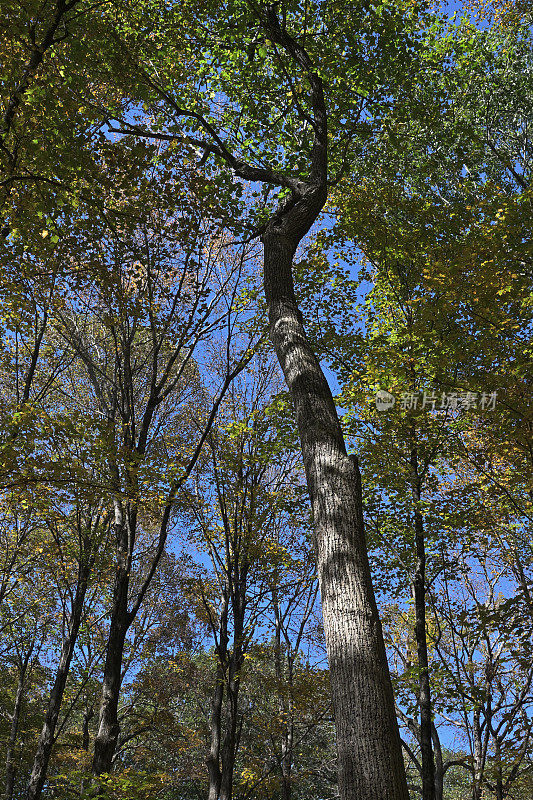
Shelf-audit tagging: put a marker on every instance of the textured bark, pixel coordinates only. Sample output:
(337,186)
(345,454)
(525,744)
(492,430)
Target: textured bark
(480,738)
(215,721)
(223,748)
(424,689)
(285,708)
(88,714)
(370,758)
(46,739)
(108,727)
(224,743)
(498,789)
(439,764)
(229,747)
(11,770)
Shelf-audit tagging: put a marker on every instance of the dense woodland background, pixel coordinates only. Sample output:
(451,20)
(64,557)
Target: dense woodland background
(161,631)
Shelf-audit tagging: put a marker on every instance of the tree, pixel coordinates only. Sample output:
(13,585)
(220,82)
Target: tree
(137,351)
(91,526)
(292,52)
(479,640)
(243,119)
(422,222)
(244,512)
(128,419)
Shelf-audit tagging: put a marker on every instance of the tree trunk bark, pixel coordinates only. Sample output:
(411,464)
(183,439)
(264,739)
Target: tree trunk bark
(10,753)
(285,707)
(88,714)
(229,747)
(439,765)
(424,689)
(215,721)
(478,756)
(370,760)
(108,727)
(213,759)
(46,739)
(287,743)
(230,743)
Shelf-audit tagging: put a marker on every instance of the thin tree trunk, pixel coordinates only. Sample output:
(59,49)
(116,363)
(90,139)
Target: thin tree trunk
(88,714)
(478,757)
(222,752)
(15,719)
(439,765)
(370,760)
(286,763)
(108,727)
(229,747)
(287,741)
(499,778)
(215,721)
(46,739)
(121,616)
(424,689)
(285,708)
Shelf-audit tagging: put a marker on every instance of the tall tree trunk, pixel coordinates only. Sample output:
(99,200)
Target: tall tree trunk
(285,707)
(286,762)
(424,689)
(439,764)
(217,703)
(222,751)
(230,743)
(287,741)
(478,756)
(229,747)
(88,714)
(370,759)
(46,739)
(15,719)
(122,617)
(215,723)
(499,792)
(108,727)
